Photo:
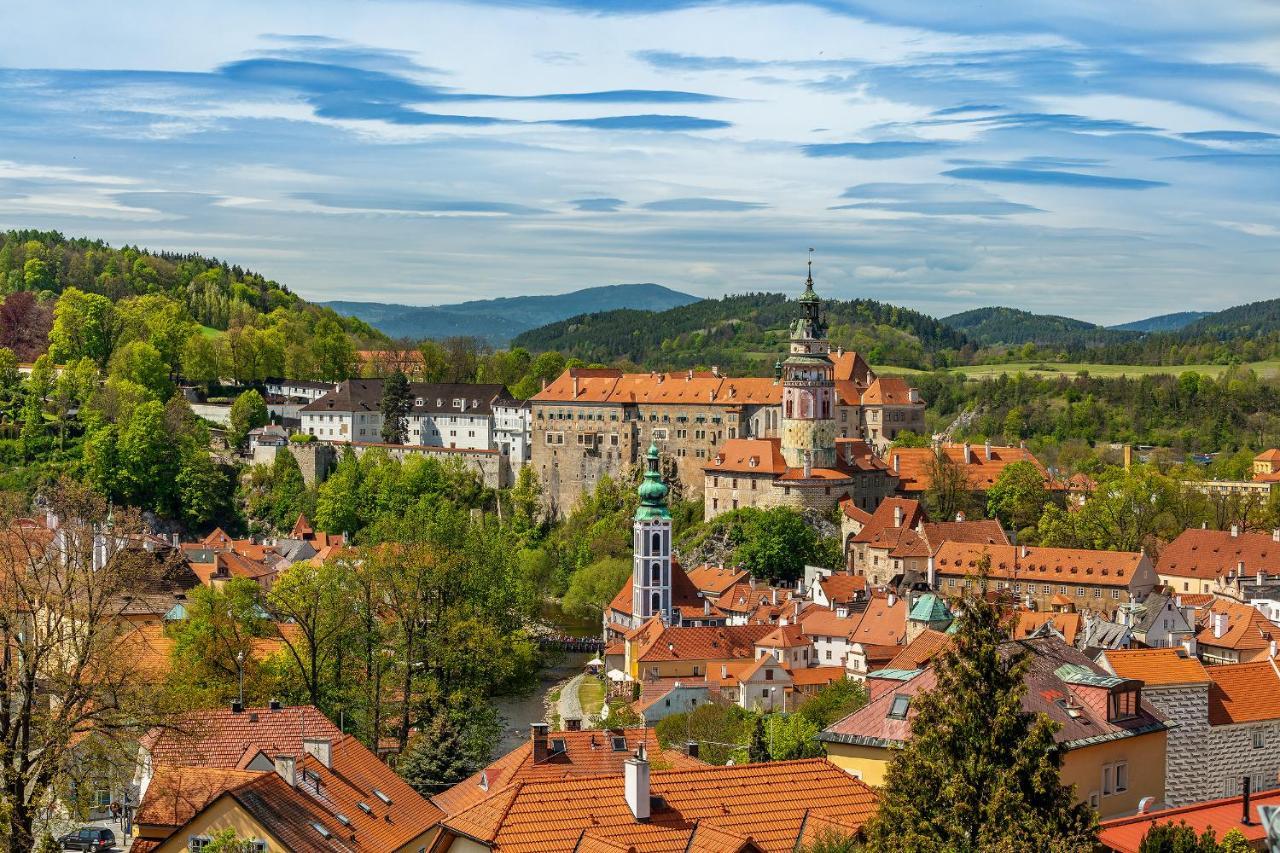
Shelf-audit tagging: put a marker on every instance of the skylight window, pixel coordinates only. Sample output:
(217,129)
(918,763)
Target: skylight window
(898,710)
(619,744)
(558,746)
(323,830)
(364,807)
(382,796)
(343,819)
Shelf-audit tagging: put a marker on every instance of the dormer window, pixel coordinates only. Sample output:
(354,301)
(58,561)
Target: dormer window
(418,402)
(898,710)
(1124,703)
(458,404)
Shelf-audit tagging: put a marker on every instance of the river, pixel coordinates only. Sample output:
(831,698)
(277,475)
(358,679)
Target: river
(520,711)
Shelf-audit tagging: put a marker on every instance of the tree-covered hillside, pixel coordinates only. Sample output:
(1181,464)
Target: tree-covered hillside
(1000,326)
(745,333)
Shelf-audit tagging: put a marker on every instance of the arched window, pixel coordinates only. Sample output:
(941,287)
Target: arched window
(655,573)
(656,602)
(655,543)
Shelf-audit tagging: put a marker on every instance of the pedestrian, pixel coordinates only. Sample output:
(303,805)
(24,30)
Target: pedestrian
(117,813)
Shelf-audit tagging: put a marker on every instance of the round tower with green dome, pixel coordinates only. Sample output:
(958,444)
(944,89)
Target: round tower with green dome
(651,565)
(809,388)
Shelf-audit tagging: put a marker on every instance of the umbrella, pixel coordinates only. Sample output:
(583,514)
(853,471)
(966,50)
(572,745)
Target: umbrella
(617,675)
(595,662)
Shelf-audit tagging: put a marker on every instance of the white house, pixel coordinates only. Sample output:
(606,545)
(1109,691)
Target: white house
(302,389)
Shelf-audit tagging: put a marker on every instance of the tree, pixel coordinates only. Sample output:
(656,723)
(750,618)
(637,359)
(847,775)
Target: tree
(593,587)
(227,841)
(434,759)
(758,747)
(141,363)
(832,840)
(834,702)
(526,505)
(773,543)
(213,646)
(720,730)
(199,361)
(147,457)
(792,736)
(248,412)
(83,326)
(62,626)
(31,438)
(320,601)
(335,357)
(1234,842)
(160,321)
(991,768)
(1018,496)
(202,487)
(73,390)
(396,403)
(1169,837)
(287,497)
(950,492)
(1128,510)
(339,508)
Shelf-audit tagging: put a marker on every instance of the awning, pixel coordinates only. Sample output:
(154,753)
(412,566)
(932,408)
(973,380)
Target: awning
(595,662)
(617,675)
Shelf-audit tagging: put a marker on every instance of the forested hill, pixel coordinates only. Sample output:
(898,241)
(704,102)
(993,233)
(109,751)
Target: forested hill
(44,264)
(1163,323)
(744,333)
(1242,321)
(1011,326)
(498,320)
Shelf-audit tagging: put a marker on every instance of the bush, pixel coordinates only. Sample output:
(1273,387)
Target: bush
(302,438)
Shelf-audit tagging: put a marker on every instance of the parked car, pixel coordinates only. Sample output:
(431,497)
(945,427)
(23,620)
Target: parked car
(89,838)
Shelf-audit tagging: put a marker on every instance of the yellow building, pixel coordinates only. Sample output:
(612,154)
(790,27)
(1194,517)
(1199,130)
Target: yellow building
(1113,742)
(655,650)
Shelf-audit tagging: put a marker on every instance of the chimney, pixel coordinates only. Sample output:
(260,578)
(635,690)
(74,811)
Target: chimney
(968,451)
(1275,534)
(1189,646)
(274,705)
(931,574)
(635,778)
(706,607)
(538,736)
(236,707)
(715,371)
(574,377)
(1262,577)
(1026,552)
(544,383)
(691,749)
(1219,624)
(688,377)
(319,748)
(1244,800)
(1235,531)
(895,463)
(285,766)
(987,450)
(774,591)
(960,516)
(808,465)
(897,516)
(1145,804)
(1128,456)
(893,599)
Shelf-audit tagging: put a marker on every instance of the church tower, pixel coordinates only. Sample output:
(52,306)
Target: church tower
(809,388)
(651,569)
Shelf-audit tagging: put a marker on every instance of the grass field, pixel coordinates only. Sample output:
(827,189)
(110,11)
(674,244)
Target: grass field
(210,332)
(591,695)
(1264,369)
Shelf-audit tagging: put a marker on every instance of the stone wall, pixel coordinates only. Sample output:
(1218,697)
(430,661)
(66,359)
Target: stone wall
(316,460)
(487,463)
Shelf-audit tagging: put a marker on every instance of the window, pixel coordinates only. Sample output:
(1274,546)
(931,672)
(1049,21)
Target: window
(768,674)
(197,842)
(1097,593)
(1115,778)
(655,543)
(1123,704)
(1079,592)
(656,602)
(655,574)
(1115,593)
(898,710)
(951,581)
(1258,741)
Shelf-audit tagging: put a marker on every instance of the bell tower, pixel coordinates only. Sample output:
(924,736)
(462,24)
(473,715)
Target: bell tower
(651,566)
(809,388)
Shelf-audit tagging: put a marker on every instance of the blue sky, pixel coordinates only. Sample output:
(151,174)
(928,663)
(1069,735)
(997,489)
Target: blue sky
(1101,160)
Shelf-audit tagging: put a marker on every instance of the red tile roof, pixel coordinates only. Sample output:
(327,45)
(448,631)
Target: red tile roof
(1210,554)
(767,803)
(1156,667)
(175,794)
(887,391)
(882,624)
(683,592)
(1243,693)
(1247,628)
(222,739)
(1029,621)
(920,651)
(715,580)
(686,643)
(816,675)
(883,518)
(749,456)
(1053,565)
(840,588)
(784,637)
(914,465)
(1125,834)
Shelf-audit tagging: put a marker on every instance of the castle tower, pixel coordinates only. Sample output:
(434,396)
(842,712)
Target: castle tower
(651,569)
(809,388)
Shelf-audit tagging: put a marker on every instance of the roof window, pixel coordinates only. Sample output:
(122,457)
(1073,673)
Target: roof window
(323,830)
(558,746)
(364,807)
(898,710)
(382,796)
(619,743)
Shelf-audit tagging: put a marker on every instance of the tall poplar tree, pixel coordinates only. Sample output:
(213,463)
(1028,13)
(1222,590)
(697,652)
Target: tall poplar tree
(979,773)
(395,408)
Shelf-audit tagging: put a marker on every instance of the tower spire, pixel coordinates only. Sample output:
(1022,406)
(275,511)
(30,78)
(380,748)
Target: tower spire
(653,492)
(809,295)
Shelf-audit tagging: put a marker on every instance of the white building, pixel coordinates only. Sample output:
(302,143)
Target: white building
(512,427)
(302,389)
(458,416)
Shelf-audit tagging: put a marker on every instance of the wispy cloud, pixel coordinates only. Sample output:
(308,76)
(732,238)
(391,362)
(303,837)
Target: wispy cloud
(598,205)
(1050,177)
(930,199)
(702,205)
(885,150)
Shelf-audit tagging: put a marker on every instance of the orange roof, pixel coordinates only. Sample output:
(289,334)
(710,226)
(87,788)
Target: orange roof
(683,592)
(842,588)
(851,367)
(1243,693)
(1247,627)
(175,794)
(920,651)
(911,514)
(1210,554)
(1156,667)
(767,803)
(586,753)
(887,390)
(1054,565)
(913,465)
(1125,834)
(823,622)
(221,738)
(882,624)
(1029,621)
(852,510)
(715,580)
(749,456)
(703,643)
(148,647)
(1272,455)
(784,637)
(816,675)
(747,597)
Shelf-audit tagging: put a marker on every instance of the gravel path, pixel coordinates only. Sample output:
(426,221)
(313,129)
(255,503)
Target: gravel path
(570,707)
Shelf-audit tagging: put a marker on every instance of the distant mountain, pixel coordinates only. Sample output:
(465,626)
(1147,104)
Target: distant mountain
(1163,323)
(1242,321)
(743,334)
(999,326)
(499,320)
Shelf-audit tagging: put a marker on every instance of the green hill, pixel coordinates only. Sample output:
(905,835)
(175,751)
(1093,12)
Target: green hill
(499,320)
(1163,323)
(999,326)
(1242,321)
(742,333)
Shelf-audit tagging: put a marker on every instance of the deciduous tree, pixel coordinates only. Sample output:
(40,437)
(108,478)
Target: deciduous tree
(248,412)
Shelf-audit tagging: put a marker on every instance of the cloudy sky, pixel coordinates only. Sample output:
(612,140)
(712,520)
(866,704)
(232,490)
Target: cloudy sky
(1099,159)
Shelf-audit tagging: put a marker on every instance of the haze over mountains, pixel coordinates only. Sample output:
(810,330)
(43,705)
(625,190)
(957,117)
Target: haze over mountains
(498,320)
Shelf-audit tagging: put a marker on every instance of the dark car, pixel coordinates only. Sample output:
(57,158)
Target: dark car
(89,838)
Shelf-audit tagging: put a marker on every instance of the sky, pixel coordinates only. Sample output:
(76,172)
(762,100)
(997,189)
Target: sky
(1107,161)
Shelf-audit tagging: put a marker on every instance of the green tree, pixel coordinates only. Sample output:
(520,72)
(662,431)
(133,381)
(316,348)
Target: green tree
(1128,510)
(773,543)
(339,507)
(157,319)
(36,276)
(396,403)
(831,840)
(1234,842)
(758,747)
(593,587)
(227,841)
(141,363)
(1018,496)
(950,492)
(146,457)
(73,390)
(202,488)
(833,702)
(83,326)
(288,491)
(991,768)
(248,412)
(334,355)
(434,759)
(722,731)
(792,736)
(32,436)
(526,505)
(200,361)
(1170,837)
(214,645)
(320,600)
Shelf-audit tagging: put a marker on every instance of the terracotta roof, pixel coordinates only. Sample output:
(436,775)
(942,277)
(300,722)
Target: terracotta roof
(816,474)
(746,598)
(586,753)
(915,464)
(822,622)
(749,456)
(784,637)
(1272,455)
(853,511)
(856,454)
(683,592)
(982,531)
(1030,621)
(715,580)
(819,675)
(1210,554)
(1243,693)
(177,793)
(766,802)
(687,643)
(653,690)
(222,738)
(1125,834)
(887,390)
(1156,667)
(1247,628)
(920,651)
(882,519)
(843,588)
(1053,565)
(882,623)
(850,367)
(365,395)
